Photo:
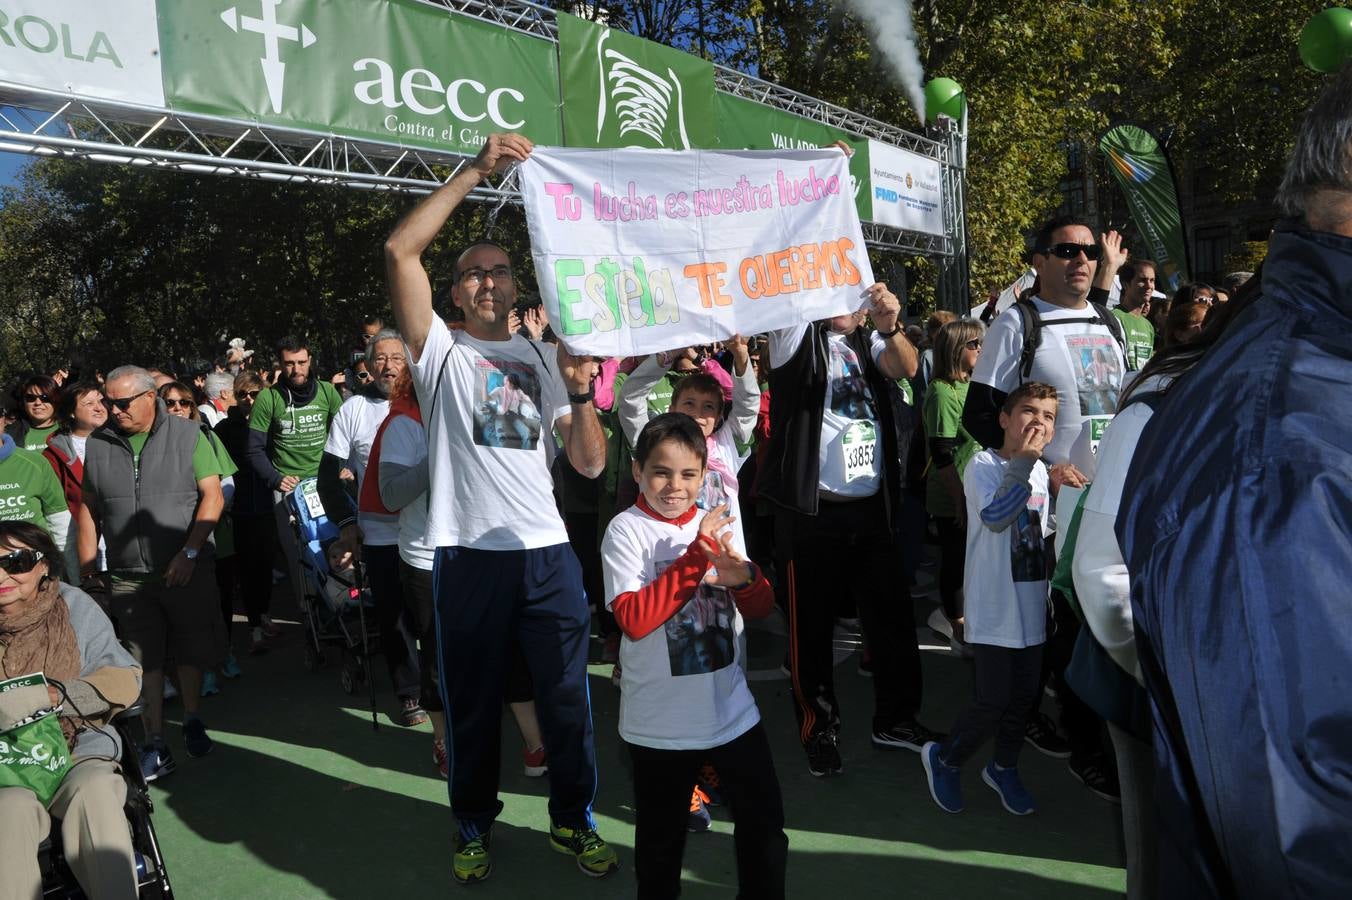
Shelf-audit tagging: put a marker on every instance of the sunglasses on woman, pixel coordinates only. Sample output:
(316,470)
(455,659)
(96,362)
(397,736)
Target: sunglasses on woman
(174,404)
(20,561)
(36,398)
(1070,250)
(252,395)
(973,344)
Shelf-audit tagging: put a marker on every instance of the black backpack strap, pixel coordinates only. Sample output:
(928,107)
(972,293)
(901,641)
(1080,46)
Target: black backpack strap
(1032,336)
(1113,324)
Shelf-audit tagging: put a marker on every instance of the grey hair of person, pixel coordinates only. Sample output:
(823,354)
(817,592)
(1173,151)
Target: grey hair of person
(1322,157)
(217,382)
(384,334)
(144,381)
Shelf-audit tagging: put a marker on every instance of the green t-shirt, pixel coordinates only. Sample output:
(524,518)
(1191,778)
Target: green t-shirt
(1140,335)
(943,418)
(296,434)
(35,441)
(29,489)
(205,460)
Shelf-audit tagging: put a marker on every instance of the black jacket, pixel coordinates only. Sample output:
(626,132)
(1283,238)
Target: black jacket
(789,472)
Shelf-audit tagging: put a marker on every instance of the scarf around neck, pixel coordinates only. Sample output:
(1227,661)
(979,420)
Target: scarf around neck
(40,638)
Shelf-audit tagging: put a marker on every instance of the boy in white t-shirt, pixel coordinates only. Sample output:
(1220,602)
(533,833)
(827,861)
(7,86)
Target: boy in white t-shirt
(678,583)
(1005,591)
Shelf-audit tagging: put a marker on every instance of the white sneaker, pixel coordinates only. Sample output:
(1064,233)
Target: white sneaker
(170,692)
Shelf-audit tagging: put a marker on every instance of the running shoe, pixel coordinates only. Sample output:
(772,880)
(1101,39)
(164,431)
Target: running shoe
(1093,773)
(471,862)
(156,760)
(230,668)
(700,821)
(170,692)
(906,736)
(1014,797)
(411,714)
(945,781)
(195,738)
(533,763)
(594,856)
(1041,732)
(823,754)
(209,685)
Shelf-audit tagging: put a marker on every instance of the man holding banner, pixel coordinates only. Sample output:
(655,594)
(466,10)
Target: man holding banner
(832,471)
(504,572)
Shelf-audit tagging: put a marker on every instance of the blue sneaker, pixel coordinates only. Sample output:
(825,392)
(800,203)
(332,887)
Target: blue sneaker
(209,685)
(156,761)
(1014,797)
(195,738)
(230,668)
(945,781)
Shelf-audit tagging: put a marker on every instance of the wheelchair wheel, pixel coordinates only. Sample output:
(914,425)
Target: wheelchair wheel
(313,659)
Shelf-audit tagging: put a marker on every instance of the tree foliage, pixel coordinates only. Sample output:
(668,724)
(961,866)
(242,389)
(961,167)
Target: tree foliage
(106,265)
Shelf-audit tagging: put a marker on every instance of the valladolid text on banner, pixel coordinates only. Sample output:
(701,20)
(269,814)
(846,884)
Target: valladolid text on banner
(639,251)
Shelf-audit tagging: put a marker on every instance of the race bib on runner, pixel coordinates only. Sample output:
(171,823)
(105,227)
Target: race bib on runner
(858,442)
(1097,426)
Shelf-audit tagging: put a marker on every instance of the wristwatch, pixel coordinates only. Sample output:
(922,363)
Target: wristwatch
(190,553)
(895,328)
(583,398)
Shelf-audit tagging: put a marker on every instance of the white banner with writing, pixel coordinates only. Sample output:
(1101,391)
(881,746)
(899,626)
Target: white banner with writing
(638,251)
(109,49)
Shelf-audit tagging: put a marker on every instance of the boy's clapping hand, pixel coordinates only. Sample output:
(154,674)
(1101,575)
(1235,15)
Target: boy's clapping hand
(729,568)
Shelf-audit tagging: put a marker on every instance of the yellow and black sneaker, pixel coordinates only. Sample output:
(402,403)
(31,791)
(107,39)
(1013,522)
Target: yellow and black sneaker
(594,856)
(472,862)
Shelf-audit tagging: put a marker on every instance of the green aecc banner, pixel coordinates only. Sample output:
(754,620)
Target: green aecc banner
(1142,169)
(748,125)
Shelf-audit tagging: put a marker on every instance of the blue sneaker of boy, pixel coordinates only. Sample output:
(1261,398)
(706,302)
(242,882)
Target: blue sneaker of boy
(945,781)
(1014,797)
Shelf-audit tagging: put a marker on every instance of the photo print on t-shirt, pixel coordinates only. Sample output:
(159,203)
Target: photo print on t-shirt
(712,493)
(506,404)
(850,394)
(701,637)
(1098,376)
(1028,558)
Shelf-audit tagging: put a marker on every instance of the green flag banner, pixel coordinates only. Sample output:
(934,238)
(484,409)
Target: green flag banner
(396,71)
(622,91)
(748,125)
(1140,166)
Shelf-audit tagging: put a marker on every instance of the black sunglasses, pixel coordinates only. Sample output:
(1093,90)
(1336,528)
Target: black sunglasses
(973,344)
(123,403)
(252,395)
(20,561)
(36,398)
(1070,250)
(172,404)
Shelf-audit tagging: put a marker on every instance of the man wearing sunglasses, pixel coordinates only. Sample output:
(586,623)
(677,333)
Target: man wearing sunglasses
(152,491)
(1060,338)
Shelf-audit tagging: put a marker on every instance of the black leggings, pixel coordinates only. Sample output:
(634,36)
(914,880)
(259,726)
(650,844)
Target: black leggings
(953,555)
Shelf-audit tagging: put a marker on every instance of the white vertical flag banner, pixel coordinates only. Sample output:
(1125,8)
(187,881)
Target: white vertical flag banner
(638,251)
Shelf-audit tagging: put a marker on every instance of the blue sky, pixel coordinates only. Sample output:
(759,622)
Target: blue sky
(10,165)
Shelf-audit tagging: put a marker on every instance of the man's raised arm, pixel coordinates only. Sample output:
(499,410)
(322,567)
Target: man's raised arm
(410,289)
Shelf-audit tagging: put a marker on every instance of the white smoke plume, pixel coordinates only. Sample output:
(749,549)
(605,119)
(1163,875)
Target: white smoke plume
(893,31)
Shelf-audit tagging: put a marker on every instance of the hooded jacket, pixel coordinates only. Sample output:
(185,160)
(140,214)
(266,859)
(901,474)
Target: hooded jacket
(1236,527)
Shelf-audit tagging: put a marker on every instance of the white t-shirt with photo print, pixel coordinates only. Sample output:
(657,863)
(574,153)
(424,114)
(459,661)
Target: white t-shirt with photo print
(1005,573)
(682,686)
(489,464)
(1082,360)
(849,459)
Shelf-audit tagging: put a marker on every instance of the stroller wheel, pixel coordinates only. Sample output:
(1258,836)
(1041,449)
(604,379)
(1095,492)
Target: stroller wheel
(313,660)
(351,677)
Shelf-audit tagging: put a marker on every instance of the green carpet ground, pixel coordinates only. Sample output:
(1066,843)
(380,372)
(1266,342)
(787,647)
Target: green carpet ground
(302,798)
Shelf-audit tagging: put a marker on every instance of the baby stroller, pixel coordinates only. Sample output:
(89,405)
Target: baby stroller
(334,610)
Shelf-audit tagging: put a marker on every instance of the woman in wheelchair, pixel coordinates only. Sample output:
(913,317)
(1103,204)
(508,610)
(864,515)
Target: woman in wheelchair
(50,627)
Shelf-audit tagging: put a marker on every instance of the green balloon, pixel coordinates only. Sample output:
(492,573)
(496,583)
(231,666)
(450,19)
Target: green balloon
(944,96)
(1326,40)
